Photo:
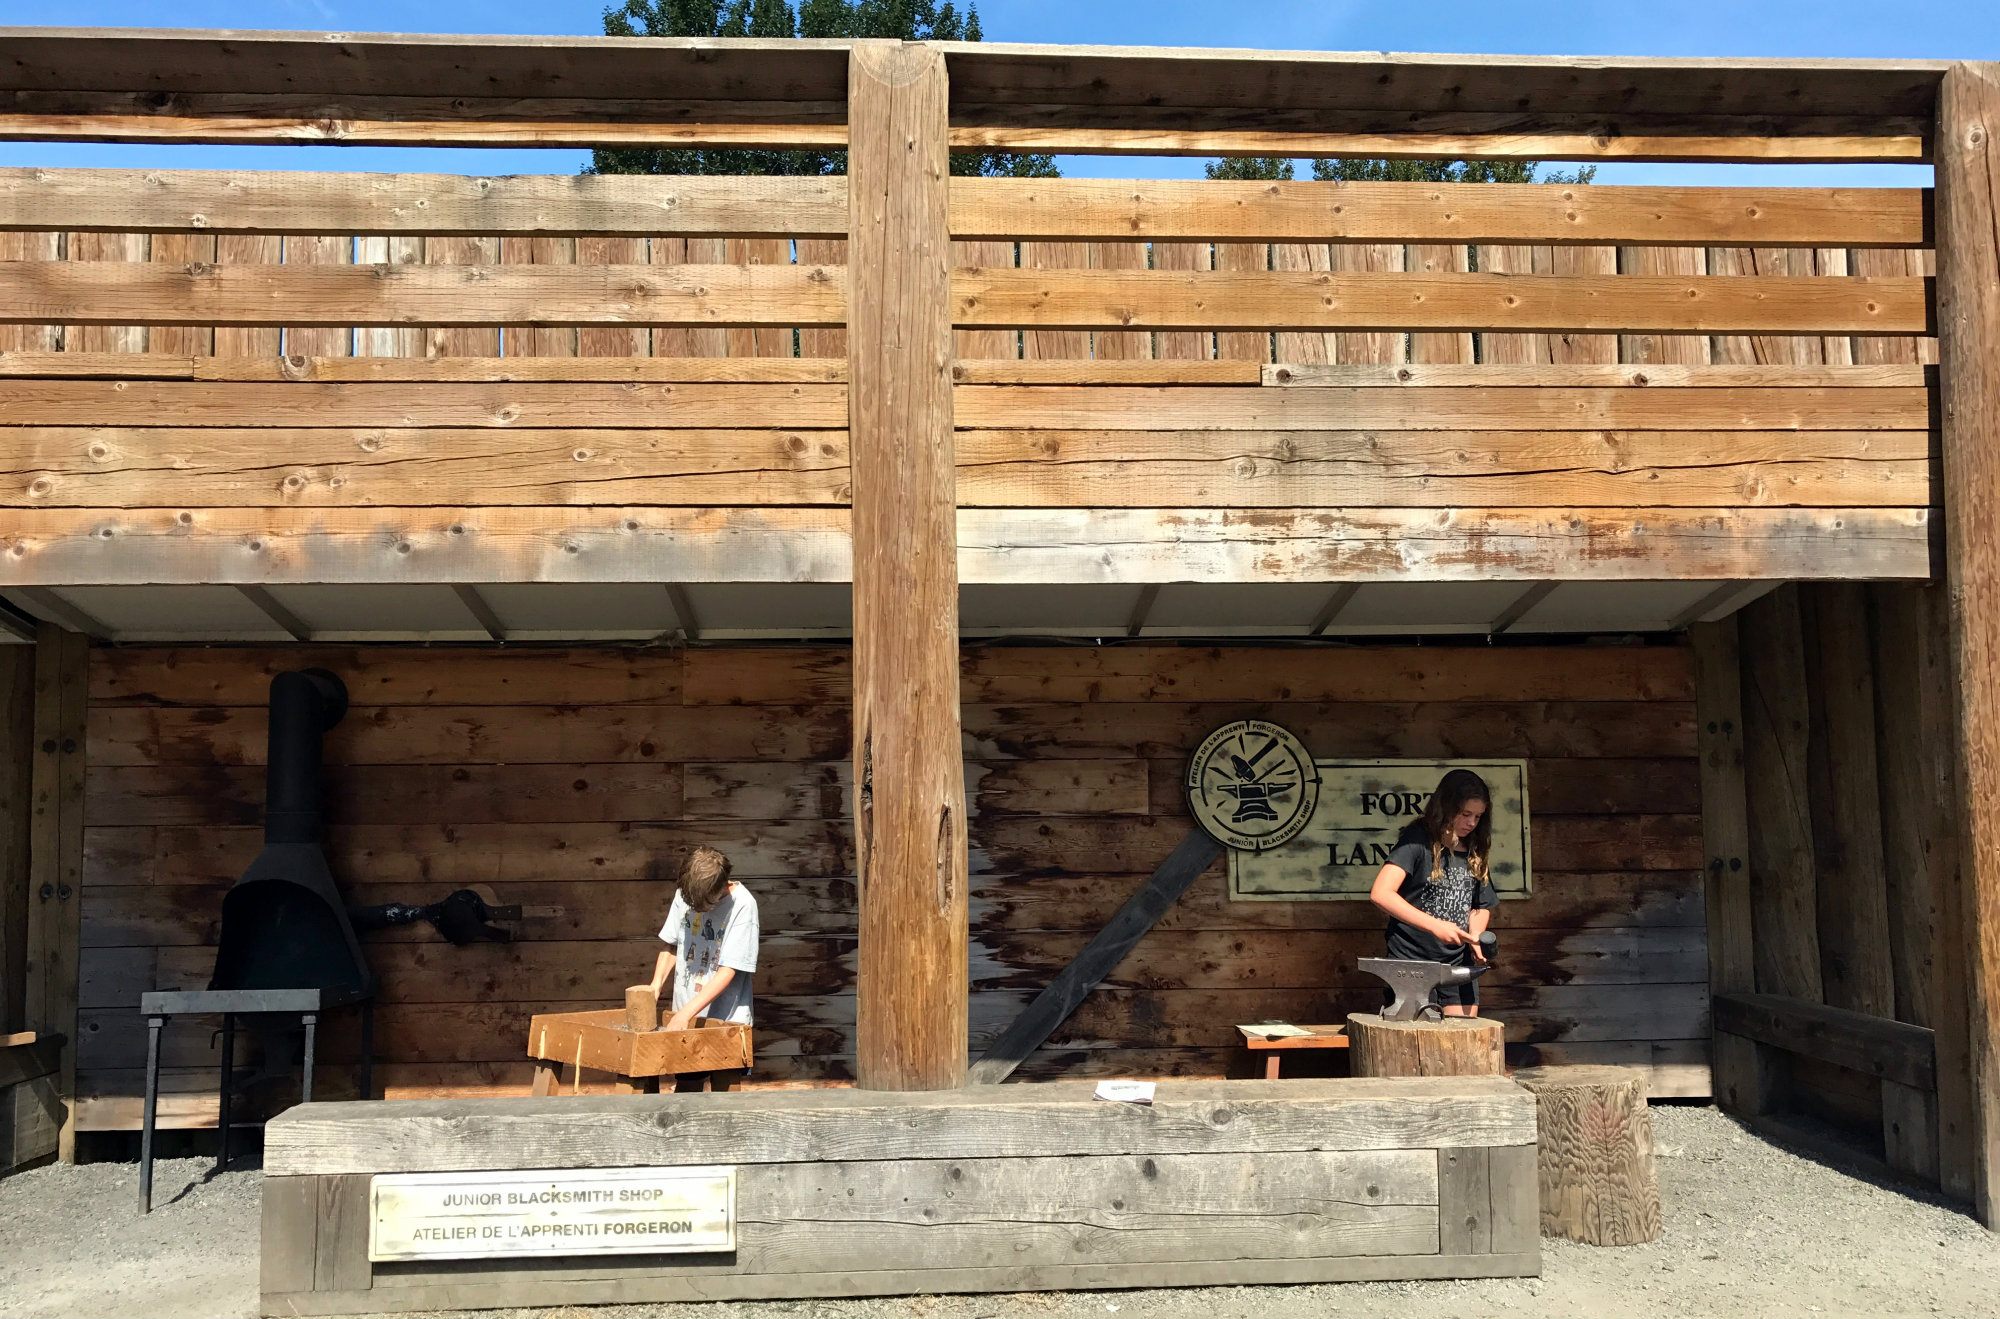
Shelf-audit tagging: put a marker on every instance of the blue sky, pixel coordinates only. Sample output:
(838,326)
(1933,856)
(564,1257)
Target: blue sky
(1941,29)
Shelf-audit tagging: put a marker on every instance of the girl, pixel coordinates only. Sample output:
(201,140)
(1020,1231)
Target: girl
(1435,886)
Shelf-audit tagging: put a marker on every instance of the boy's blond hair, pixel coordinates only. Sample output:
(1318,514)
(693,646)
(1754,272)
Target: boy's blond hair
(704,878)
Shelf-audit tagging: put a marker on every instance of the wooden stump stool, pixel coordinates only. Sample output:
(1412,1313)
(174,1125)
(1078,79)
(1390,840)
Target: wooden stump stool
(1456,1046)
(1599,1184)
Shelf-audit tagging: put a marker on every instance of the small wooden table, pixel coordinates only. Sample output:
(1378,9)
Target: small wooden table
(604,1042)
(1317,1037)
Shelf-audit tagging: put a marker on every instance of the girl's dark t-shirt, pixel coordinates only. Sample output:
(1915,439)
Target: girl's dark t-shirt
(1452,896)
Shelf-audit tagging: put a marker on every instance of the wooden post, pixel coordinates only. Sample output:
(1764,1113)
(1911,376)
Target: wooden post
(56,853)
(909,780)
(1599,1183)
(17,733)
(1742,1073)
(1968,322)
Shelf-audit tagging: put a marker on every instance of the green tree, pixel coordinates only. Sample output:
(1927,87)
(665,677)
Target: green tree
(911,20)
(1279,168)
(1256,168)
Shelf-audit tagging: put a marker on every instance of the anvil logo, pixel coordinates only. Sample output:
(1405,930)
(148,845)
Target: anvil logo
(1252,785)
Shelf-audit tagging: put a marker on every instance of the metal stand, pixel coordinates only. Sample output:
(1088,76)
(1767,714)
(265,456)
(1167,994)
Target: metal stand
(307,1005)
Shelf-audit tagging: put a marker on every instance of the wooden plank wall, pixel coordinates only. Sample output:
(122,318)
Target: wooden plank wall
(576,780)
(1847,779)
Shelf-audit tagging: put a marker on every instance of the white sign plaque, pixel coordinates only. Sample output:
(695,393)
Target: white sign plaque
(493,1215)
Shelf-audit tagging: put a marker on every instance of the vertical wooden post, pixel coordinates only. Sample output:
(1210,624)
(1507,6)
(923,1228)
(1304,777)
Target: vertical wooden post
(17,730)
(1968,321)
(1743,1072)
(909,779)
(55,868)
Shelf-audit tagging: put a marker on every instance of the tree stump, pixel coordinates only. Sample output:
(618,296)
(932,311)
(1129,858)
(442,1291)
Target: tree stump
(1598,1182)
(1456,1046)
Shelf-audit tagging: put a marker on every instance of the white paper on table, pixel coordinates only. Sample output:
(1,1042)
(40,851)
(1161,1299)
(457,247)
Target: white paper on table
(1126,1092)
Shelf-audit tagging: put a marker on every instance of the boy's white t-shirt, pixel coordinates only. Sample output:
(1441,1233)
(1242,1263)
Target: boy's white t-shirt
(724,935)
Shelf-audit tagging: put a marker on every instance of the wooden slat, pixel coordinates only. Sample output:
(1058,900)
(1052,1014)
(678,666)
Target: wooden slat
(1527,135)
(251,250)
(1236,300)
(1250,469)
(441,341)
(1515,262)
(179,340)
(981,407)
(415,205)
(1968,329)
(1191,545)
(545,256)
(1369,259)
(31,340)
(98,292)
(910,801)
(114,467)
(305,257)
(1235,211)
(1851,884)
(56,851)
(1111,345)
(585,369)
(17,755)
(828,346)
(110,259)
(1582,375)
(430,545)
(530,404)
(1183,346)
(1875,1046)
(1776,719)
(1248,345)
(1728,878)
(841,1126)
(381,341)
(1072,260)
(1433,259)
(1655,350)
(1583,263)
(984,345)
(420,676)
(1103,371)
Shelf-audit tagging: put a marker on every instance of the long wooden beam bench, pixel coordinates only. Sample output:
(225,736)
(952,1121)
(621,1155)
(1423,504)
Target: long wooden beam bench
(854,1193)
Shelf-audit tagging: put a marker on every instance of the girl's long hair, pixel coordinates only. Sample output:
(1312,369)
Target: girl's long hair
(1454,790)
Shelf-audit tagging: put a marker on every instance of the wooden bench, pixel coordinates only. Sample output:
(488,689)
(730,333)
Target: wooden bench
(1275,1048)
(1035,1187)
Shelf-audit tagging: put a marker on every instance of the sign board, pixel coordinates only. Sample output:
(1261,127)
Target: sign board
(1300,828)
(496,1215)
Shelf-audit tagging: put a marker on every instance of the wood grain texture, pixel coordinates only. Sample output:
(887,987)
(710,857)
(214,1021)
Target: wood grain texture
(910,821)
(1233,211)
(1874,1046)
(17,740)
(247,201)
(1056,1120)
(333,294)
(54,914)
(1776,722)
(1594,1156)
(1456,1046)
(1968,218)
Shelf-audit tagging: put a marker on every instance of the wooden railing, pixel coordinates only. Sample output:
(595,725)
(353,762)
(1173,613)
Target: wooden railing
(615,378)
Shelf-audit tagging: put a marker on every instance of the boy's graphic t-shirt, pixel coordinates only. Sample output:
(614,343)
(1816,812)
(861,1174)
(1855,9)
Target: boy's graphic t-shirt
(1450,896)
(724,935)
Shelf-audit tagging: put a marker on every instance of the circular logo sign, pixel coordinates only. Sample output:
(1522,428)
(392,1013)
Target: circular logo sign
(1252,785)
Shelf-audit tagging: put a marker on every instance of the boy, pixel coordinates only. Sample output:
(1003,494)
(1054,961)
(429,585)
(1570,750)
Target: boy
(711,933)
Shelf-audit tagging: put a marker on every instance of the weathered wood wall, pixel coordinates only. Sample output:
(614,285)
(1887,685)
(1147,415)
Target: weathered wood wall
(672,406)
(1844,904)
(577,779)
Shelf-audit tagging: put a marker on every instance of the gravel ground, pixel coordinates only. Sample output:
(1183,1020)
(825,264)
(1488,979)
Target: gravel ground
(1752,1228)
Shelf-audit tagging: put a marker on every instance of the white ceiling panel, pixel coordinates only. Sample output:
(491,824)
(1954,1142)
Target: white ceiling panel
(355,613)
(1612,606)
(1254,609)
(771,609)
(1412,607)
(1067,611)
(583,611)
(174,613)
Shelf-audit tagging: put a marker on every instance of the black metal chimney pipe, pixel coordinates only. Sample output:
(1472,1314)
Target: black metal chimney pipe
(304,705)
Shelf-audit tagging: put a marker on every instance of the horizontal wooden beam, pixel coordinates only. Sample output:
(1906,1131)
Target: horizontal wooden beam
(283,202)
(1891,1050)
(1143,131)
(1595,375)
(1136,546)
(478,69)
(508,404)
(989,77)
(479,545)
(1116,407)
(1124,210)
(1317,300)
(124,293)
(478,370)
